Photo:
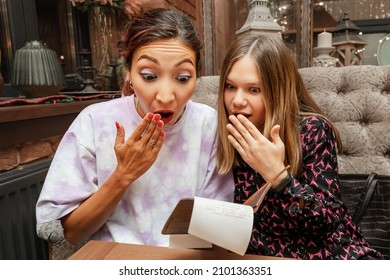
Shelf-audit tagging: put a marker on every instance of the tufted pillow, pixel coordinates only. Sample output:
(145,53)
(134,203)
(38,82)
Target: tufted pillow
(356,99)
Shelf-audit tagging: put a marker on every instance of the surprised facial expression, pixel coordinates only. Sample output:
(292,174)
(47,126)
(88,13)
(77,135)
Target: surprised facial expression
(163,74)
(242,92)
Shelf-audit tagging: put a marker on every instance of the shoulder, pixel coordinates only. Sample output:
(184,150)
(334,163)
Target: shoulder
(100,114)
(202,111)
(112,104)
(201,115)
(314,129)
(314,123)
(106,109)
(201,107)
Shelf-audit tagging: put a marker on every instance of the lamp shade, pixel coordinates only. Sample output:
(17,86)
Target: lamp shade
(37,70)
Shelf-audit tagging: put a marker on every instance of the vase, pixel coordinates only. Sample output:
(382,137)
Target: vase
(37,70)
(103,37)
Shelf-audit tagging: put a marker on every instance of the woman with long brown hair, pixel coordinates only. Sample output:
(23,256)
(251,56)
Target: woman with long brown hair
(272,131)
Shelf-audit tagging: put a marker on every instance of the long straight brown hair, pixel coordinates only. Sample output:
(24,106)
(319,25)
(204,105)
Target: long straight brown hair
(286,98)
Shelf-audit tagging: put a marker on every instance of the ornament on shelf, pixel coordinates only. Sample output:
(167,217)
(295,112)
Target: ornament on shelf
(259,20)
(323,50)
(37,70)
(349,46)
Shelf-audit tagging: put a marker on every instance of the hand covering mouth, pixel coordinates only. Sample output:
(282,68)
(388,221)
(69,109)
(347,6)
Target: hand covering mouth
(240,113)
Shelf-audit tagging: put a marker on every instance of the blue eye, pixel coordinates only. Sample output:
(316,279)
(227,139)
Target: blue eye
(183,78)
(148,76)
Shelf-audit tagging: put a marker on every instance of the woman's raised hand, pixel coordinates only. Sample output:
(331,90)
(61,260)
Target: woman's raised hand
(137,154)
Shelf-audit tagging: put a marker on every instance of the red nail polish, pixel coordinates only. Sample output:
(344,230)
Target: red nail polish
(157,117)
(150,116)
(117,125)
(162,133)
(160,123)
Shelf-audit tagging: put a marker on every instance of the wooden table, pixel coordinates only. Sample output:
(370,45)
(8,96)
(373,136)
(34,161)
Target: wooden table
(102,250)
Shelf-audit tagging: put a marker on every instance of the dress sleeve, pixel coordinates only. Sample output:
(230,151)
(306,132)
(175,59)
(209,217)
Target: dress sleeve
(314,196)
(307,214)
(320,169)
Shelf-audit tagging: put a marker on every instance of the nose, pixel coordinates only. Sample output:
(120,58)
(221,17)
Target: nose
(239,99)
(165,92)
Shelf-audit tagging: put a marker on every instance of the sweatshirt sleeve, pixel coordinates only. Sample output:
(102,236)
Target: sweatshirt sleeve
(62,191)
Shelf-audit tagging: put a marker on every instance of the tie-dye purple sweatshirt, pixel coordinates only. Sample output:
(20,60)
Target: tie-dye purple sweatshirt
(185,167)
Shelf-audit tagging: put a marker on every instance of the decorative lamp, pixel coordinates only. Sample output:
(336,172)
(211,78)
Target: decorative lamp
(323,50)
(259,20)
(37,71)
(346,40)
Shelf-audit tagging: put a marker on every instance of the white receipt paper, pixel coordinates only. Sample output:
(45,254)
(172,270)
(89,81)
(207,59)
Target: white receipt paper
(225,224)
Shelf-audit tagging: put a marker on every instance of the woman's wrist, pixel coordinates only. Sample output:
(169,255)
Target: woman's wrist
(283,183)
(282,179)
(121,179)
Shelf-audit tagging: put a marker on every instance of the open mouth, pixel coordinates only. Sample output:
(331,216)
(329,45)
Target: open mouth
(245,115)
(166,116)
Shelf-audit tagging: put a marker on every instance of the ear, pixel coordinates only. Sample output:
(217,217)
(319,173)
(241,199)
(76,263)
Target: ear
(127,88)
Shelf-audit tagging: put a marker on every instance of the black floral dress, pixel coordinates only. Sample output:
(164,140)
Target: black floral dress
(322,228)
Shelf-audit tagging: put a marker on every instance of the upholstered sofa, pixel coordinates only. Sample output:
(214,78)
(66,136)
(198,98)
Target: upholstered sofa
(356,98)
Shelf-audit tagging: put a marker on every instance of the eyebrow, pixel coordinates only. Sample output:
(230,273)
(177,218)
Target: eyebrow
(145,56)
(185,60)
(251,84)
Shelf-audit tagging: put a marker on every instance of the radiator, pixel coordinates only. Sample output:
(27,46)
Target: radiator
(19,191)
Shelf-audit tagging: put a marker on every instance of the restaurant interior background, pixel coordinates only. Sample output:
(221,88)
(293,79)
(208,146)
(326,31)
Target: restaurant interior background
(85,46)
(77,35)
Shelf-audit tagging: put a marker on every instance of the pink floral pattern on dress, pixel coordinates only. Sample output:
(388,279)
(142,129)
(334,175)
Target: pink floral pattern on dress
(322,228)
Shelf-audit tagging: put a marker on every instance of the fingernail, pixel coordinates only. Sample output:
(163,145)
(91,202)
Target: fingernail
(160,123)
(157,117)
(117,125)
(162,133)
(150,116)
